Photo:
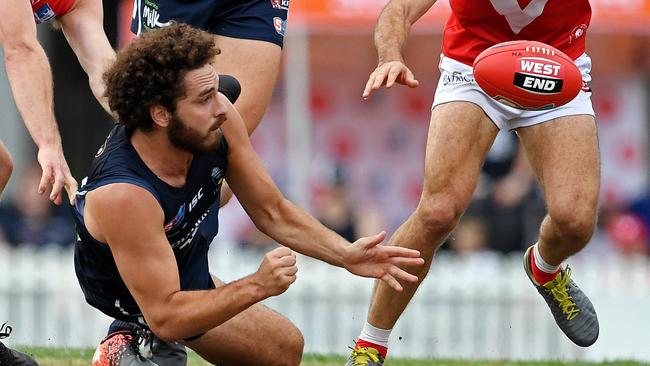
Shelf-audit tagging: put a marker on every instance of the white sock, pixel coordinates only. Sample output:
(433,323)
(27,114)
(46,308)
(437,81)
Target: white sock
(541,264)
(375,335)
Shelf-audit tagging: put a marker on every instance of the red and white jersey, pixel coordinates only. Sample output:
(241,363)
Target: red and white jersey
(475,25)
(45,10)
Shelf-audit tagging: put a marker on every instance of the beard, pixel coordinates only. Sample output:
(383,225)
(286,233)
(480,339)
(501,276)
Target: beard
(187,139)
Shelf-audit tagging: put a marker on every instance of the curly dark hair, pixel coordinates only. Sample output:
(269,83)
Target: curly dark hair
(150,71)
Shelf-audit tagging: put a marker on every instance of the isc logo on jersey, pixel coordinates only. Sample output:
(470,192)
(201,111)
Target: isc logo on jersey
(538,75)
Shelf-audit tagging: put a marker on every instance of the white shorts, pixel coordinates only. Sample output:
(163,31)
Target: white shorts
(457,84)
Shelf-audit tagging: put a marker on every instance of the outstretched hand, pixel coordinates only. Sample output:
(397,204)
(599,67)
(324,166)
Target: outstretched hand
(388,74)
(366,258)
(56,173)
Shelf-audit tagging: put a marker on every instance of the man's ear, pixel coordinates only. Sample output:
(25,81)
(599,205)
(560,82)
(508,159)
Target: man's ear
(160,115)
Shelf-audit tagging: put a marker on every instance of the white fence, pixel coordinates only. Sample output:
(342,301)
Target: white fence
(477,307)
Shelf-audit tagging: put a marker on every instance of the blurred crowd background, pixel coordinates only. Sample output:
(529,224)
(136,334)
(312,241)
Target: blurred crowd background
(358,165)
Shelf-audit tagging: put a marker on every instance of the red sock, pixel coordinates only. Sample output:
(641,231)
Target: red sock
(383,351)
(540,276)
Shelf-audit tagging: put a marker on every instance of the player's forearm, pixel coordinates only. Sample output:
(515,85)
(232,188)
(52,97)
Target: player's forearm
(97,86)
(30,78)
(294,228)
(391,32)
(94,61)
(190,313)
(102,56)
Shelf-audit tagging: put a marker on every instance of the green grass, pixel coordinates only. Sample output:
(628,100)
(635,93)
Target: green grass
(76,357)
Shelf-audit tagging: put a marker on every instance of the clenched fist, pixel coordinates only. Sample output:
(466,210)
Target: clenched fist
(277,271)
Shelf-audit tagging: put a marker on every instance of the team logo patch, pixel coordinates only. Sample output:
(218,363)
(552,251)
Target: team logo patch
(280,25)
(179,217)
(577,32)
(217,176)
(103,147)
(43,14)
(280,4)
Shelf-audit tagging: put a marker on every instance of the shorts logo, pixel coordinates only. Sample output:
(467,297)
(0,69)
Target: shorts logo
(280,25)
(456,78)
(43,14)
(280,4)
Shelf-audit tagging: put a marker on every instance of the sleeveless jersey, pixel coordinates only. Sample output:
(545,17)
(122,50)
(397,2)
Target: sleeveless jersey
(190,222)
(45,10)
(475,25)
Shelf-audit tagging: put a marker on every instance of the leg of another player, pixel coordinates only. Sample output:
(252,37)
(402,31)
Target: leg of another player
(256,65)
(6,166)
(564,154)
(460,135)
(256,337)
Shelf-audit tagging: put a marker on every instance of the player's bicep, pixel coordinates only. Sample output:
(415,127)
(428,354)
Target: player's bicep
(131,221)
(247,176)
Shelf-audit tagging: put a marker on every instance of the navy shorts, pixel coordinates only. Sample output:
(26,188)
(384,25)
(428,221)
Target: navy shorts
(262,20)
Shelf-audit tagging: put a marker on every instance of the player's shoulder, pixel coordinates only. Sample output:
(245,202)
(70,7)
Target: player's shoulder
(116,153)
(122,199)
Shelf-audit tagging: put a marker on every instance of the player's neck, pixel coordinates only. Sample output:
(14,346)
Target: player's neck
(168,162)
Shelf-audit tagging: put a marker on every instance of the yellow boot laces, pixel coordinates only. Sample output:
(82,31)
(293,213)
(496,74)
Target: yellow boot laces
(561,294)
(363,355)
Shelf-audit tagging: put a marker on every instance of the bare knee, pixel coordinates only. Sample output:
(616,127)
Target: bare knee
(6,166)
(438,214)
(290,348)
(575,225)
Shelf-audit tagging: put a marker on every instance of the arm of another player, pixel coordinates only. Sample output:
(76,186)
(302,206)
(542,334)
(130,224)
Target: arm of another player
(391,32)
(83,28)
(147,265)
(30,78)
(291,226)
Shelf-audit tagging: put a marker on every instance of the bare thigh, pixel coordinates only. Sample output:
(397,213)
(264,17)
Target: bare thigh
(460,134)
(257,336)
(255,64)
(564,154)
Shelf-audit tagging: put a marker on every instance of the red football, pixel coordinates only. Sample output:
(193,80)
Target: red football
(527,75)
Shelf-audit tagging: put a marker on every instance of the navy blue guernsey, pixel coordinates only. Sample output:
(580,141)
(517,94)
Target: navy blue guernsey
(190,222)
